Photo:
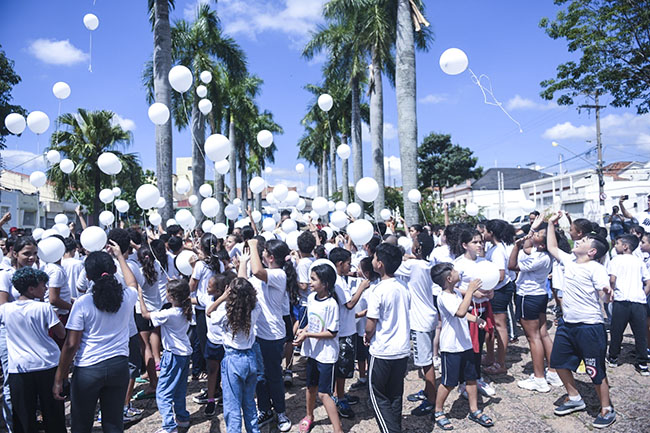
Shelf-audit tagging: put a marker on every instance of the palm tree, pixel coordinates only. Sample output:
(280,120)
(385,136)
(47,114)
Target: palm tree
(86,136)
(257,155)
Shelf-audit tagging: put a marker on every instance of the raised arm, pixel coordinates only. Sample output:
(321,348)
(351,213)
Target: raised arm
(551,240)
(474,285)
(256,262)
(82,220)
(129,278)
(626,213)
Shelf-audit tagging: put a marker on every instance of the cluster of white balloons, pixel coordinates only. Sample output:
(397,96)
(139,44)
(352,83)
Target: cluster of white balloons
(37,122)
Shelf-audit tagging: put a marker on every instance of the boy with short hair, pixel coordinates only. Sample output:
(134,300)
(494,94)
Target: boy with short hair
(582,336)
(387,333)
(628,276)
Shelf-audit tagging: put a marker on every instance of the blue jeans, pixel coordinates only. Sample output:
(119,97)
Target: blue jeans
(238,381)
(6,401)
(271,386)
(172,389)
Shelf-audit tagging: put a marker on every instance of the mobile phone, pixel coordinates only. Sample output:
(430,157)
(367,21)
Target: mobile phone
(625,197)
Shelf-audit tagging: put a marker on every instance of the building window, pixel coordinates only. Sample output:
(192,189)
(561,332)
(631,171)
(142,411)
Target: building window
(575,208)
(4,210)
(29,218)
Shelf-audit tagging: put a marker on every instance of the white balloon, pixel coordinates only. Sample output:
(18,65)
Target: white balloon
(340,205)
(205,190)
(339,219)
(93,238)
(231,211)
(222,167)
(106,195)
(183,217)
(489,274)
(237,202)
(37,233)
(37,179)
(343,151)
(15,123)
(161,203)
(171,222)
(207,226)
(62,229)
(289,226)
(414,196)
(91,22)
(61,90)
(268,236)
(158,113)
(314,215)
(268,170)
(217,147)
(38,122)
(109,163)
(320,205)
(300,168)
(329,233)
(354,210)
(66,165)
(331,206)
(205,106)
(53,156)
(280,192)
(122,206)
(528,206)
(265,138)
(384,214)
(61,218)
(367,189)
(180,78)
(257,185)
(361,231)
(193,199)
(210,207)
(155,219)
(292,198)
(256,215)
(220,230)
(182,262)
(49,232)
(51,250)
(292,240)
(453,61)
(183,186)
(471,209)
(116,191)
(301,204)
(206,76)
(201,91)
(106,218)
(147,196)
(268,224)
(325,102)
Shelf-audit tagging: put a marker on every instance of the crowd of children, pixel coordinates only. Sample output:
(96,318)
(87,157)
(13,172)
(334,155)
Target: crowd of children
(126,315)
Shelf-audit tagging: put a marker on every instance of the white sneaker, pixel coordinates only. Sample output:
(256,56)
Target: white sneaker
(284,423)
(484,388)
(553,379)
(534,384)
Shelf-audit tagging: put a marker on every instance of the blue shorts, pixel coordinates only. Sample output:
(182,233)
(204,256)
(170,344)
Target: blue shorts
(320,375)
(575,342)
(213,352)
(502,298)
(648,305)
(458,367)
(530,307)
(300,314)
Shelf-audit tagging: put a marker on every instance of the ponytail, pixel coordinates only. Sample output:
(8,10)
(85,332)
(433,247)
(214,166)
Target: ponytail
(147,260)
(179,292)
(107,291)
(281,255)
(210,246)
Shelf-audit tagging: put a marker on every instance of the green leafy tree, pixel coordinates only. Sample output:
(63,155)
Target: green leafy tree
(8,79)
(613,40)
(442,163)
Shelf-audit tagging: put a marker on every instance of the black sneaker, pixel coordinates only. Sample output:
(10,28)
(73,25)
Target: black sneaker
(359,384)
(642,369)
(201,398)
(210,409)
(351,399)
(418,396)
(611,362)
(264,418)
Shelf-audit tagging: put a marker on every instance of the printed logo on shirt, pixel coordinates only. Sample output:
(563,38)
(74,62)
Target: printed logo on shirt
(316,323)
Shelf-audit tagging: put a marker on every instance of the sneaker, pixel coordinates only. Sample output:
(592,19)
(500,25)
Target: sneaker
(606,420)
(344,409)
(182,424)
(425,408)
(611,362)
(210,409)
(264,418)
(485,388)
(642,369)
(351,399)
(418,396)
(288,378)
(569,406)
(202,397)
(284,423)
(131,414)
(359,384)
(553,378)
(534,384)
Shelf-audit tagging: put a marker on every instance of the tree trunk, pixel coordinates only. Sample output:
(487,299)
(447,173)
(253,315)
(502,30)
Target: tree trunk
(243,176)
(377,133)
(323,159)
(334,186)
(357,154)
(232,159)
(198,161)
(319,170)
(406,109)
(162,62)
(345,175)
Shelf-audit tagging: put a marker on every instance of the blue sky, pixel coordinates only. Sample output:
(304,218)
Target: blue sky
(49,43)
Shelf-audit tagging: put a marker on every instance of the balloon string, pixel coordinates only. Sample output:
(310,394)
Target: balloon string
(144,217)
(488,91)
(90,54)
(71,192)
(423,214)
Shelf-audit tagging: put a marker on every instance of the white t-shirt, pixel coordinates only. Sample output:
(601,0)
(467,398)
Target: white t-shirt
(454,335)
(202,273)
(417,276)
(643,218)
(173,329)
(441,254)
(630,273)
(271,296)
(467,271)
(302,269)
(215,331)
(104,335)
(151,292)
(533,273)
(389,303)
(363,305)
(582,284)
(323,315)
(238,341)
(171,266)
(356,258)
(58,278)
(499,255)
(29,346)
(347,322)
(5,263)
(73,268)
(6,285)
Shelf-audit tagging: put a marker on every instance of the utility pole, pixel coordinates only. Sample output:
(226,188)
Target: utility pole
(599,146)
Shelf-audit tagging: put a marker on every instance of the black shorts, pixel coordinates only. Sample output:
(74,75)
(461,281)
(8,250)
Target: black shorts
(135,357)
(458,367)
(320,375)
(213,352)
(502,298)
(648,304)
(288,327)
(575,342)
(143,324)
(362,350)
(345,363)
(530,307)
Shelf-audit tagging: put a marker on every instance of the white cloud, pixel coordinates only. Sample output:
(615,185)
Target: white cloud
(22,161)
(189,11)
(567,130)
(520,103)
(433,98)
(643,141)
(126,124)
(390,132)
(393,170)
(55,52)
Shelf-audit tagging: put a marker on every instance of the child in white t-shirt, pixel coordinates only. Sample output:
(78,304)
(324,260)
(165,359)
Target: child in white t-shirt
(175,362)
(365,272)
(644,246)
(320,345)
(458,358)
